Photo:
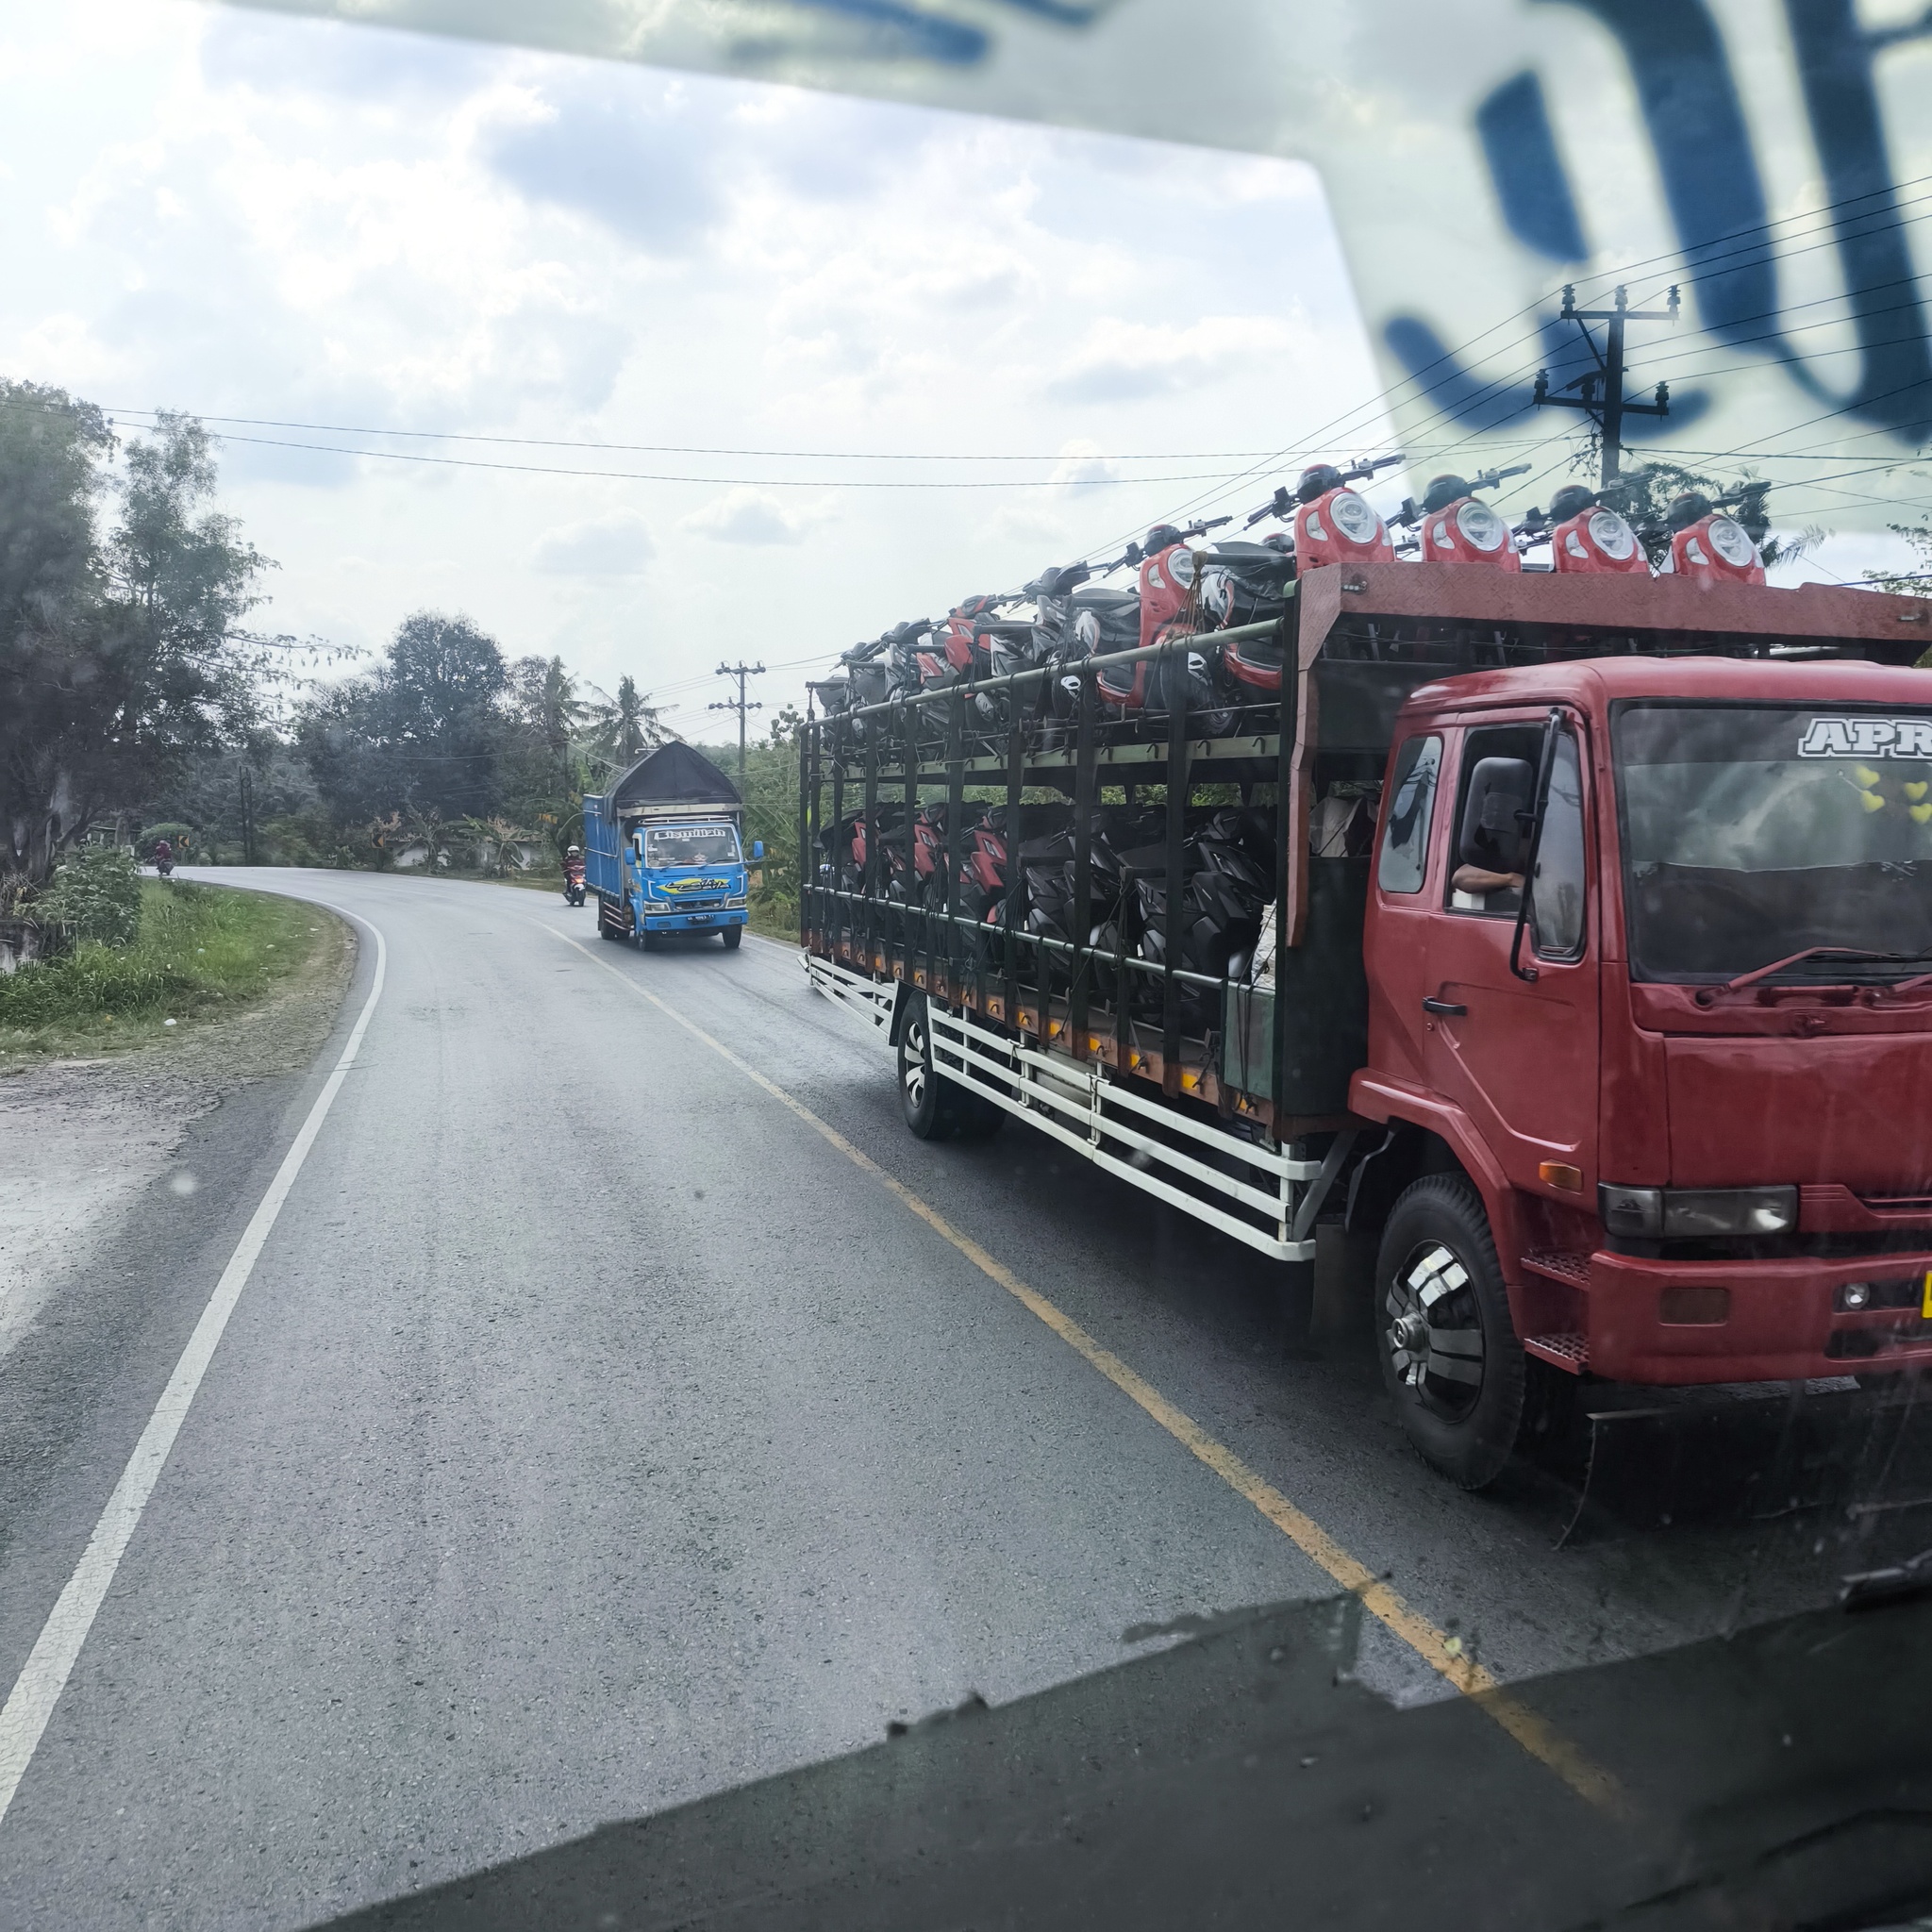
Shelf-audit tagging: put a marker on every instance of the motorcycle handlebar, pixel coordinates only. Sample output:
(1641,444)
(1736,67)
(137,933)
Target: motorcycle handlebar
(1489,479)
(1364,468)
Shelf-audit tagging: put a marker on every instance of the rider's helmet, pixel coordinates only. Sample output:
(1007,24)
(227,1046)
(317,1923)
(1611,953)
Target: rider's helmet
(571,852)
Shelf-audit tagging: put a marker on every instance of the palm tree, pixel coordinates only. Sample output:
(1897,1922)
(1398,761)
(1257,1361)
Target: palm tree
(626,726)
(502,839)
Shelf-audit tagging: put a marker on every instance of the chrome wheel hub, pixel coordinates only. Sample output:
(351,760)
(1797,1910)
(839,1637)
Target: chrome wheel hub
(914,1073)
(1435,1334)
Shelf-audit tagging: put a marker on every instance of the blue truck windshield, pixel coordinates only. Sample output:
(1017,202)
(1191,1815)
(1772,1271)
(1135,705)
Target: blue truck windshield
(669,846)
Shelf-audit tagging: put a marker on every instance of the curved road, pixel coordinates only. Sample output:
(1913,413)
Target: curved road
(594,1433)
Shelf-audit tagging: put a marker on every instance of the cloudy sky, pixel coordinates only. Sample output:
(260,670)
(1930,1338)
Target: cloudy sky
(846,344)
(246,216)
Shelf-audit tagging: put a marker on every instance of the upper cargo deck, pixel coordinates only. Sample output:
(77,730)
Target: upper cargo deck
(1365,637)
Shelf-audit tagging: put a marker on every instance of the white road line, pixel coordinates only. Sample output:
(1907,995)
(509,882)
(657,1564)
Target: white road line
(31,1702)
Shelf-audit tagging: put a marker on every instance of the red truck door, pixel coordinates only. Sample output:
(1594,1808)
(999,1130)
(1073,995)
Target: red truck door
(1517,1055)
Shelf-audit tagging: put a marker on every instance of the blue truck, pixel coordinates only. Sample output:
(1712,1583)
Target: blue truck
(664,852)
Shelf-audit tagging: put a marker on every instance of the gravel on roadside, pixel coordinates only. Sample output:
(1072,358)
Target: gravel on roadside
(81,1140)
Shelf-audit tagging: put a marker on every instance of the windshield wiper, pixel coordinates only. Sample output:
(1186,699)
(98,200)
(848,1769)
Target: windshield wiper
(1750,978)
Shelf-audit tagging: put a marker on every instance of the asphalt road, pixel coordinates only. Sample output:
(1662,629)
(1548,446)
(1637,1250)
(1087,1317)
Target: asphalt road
(594,1434)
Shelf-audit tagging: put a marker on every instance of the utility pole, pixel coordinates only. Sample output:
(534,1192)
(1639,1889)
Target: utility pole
(740,670)
(1607,408)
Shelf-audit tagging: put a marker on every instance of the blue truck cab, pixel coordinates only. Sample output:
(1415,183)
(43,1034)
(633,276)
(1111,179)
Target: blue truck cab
(664,851)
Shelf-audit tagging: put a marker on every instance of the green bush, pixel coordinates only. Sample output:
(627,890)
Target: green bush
(200,947)
(95,895)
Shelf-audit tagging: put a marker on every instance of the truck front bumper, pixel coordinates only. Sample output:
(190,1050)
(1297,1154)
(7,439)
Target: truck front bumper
(1655,1321)
(709,919)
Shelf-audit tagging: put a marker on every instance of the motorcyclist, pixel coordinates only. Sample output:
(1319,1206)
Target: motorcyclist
(573,875)
(163,857)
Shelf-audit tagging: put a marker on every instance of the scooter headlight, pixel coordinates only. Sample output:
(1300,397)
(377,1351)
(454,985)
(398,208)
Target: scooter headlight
(1729,540)
(1480,525)
(1353,517)
(1611,535)
(1181,567)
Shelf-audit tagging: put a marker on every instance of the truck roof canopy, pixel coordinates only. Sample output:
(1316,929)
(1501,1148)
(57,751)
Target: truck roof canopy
(675,774)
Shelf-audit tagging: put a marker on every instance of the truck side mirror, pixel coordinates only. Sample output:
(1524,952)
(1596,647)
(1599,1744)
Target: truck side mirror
(757,848)
(1495,813)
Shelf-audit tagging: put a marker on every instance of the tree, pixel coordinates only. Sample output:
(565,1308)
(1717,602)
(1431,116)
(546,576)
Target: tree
(53,705)
(624,728)
(428,730)
(1916,583)
(544,773)
(118,658)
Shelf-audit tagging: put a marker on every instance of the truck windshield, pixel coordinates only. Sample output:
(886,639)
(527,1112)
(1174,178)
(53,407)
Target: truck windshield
(1751,833)
(669,846)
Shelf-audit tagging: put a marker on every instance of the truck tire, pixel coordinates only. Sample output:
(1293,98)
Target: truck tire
(1451,1360)
(733,937)
(937,1109)
(650,941)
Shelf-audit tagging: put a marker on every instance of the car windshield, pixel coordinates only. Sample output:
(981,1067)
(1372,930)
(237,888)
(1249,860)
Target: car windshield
(1753,833)
(675,845)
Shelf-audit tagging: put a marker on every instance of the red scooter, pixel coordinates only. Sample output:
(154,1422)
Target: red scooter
(1168,595)
(1331,523)
(1709,546)
(1453,525)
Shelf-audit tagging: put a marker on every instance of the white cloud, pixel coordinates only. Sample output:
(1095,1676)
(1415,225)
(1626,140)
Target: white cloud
(1127,361)
(749,515)
(616,546)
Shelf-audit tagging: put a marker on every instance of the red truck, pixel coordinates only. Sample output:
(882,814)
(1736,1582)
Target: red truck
(1596,979)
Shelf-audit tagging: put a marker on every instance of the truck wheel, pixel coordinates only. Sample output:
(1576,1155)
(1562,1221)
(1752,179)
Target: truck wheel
(650,941)
(1450,1358)
(937,1109)
(733,937)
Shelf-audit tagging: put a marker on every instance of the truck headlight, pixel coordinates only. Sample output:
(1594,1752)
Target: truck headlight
(1678,1214)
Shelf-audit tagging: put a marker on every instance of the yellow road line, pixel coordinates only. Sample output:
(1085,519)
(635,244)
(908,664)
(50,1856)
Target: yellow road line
(1436,1648)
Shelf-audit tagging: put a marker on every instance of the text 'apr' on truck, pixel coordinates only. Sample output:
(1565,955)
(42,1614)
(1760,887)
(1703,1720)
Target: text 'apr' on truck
(1572,932)
(663,850)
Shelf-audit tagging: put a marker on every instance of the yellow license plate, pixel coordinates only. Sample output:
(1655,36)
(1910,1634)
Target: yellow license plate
(1926,1296)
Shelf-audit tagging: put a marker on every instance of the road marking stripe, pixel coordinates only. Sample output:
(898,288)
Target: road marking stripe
(31,1702)
(1589,1780)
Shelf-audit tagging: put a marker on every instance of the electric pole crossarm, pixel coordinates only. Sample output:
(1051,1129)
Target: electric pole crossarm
(740,703)
(1608,409)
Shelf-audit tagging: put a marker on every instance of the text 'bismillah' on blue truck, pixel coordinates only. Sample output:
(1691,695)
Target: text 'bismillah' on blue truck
(663,850)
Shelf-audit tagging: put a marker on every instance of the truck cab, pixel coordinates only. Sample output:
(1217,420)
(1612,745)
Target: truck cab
(1648,947)
(685,876)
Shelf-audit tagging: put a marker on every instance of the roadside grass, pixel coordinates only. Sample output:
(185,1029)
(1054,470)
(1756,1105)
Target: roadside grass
(774,921)
(202,950)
